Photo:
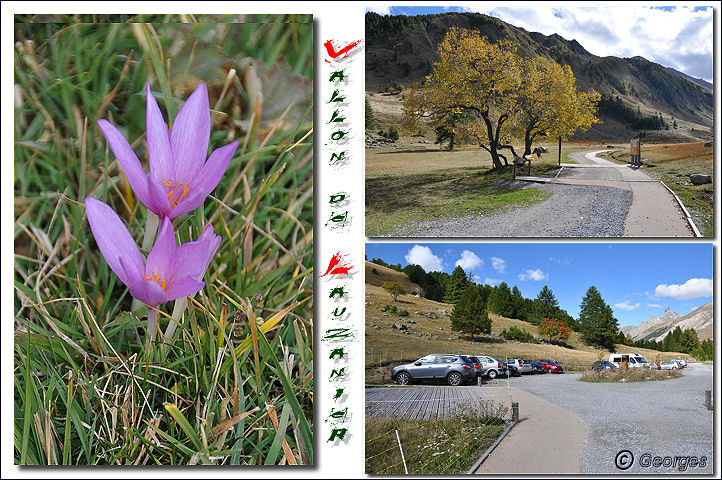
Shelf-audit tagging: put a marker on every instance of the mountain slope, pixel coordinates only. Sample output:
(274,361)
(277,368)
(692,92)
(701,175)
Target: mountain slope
(401,49)
(656,328)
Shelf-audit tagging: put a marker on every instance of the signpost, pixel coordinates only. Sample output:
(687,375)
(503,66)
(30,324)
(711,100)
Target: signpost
(636,152)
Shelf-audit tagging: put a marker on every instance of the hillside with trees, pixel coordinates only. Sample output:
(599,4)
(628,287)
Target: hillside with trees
(639,96)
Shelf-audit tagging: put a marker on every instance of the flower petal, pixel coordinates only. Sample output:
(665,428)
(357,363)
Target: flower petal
(157,199)
(214,168)
(191,202)
(114,240)
(156,132)
(161,259)
(128,160)
(190,135)
(183,287)
(192,258)
(149,292)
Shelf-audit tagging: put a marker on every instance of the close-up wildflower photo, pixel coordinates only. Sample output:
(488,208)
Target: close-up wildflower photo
(163,240)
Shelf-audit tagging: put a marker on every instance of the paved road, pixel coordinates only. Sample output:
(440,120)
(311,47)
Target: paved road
(663,418)
(654,211)
(592,198)
(547,439)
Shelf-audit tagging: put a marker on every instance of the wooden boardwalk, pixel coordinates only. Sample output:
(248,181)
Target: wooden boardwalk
(422,402)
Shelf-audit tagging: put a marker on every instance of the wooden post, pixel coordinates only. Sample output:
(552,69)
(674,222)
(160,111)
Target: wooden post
(514,172)
(515,411)
(528,171)
(560,151)
(708,398)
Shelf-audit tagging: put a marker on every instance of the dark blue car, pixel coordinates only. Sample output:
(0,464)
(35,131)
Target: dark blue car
(603,365)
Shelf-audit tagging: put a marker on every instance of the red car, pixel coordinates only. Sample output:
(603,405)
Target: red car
(550,366)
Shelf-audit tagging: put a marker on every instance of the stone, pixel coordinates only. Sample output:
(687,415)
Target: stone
(412,322)
(399,326)
(431,315)
(436,337)
(700,179)
(708,144)
(400,309)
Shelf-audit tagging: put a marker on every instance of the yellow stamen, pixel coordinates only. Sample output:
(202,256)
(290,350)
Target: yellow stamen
(178,184)
(168,183)
(147,278)
(175,202)
(170,193)
(157,278)
(162,284)
(185,191)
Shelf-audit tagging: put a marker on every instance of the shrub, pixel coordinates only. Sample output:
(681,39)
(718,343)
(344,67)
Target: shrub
(516,333)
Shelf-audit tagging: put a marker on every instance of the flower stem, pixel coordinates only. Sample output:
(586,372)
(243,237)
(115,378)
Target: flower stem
(178,308)
(151,328)
(151,227)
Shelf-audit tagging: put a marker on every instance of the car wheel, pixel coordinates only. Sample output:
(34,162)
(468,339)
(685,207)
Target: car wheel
(491,374)
(454,379)
(403,378)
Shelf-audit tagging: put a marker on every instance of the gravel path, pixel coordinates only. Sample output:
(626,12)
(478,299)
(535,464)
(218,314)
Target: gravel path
(572,211)
(663,418)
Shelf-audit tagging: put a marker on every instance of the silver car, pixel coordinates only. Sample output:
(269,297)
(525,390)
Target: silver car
(491,367)
(524,366)
(669,365)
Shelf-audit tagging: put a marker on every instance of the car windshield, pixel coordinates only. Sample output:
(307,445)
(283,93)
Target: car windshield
(640,359)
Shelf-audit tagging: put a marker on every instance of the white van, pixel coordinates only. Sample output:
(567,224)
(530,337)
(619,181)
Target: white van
(633,360)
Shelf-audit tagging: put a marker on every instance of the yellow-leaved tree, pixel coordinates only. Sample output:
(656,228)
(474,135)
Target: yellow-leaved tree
(473,90)
(485,92)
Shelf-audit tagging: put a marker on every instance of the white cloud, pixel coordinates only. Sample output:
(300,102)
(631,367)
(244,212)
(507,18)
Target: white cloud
(692,288)
(535,275)
(654,305)
(625,305)
(681,37)
(383,10)
(498,264)
(561,261)
(469,261)
(492,281)
(424,257)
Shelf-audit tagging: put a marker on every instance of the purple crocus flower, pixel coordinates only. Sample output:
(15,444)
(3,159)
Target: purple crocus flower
(169,273)
(180,177)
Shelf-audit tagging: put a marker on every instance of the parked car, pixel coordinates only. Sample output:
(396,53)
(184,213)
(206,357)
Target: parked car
(477,365)
(491,366)
(512,371)
(454,369)
(603,365)
(670,365)
(550,366)
(536,367)
(682,362)
(522,365)
(633,360)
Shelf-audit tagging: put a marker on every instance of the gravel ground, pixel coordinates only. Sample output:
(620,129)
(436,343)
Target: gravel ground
(662,418)
(572,211)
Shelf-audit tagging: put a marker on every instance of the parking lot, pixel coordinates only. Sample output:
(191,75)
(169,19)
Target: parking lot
(649,419)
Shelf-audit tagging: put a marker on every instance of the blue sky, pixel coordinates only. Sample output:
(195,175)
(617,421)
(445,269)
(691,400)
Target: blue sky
(637,280)
(680,37)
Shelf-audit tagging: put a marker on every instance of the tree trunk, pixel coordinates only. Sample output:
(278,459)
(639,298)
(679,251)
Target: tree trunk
(451,142)
(527,143)
(495,158)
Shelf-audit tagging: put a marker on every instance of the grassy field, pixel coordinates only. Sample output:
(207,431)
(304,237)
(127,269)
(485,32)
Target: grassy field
(387,347)
(231,380)
(413,182)
(448,446)
(673,163)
